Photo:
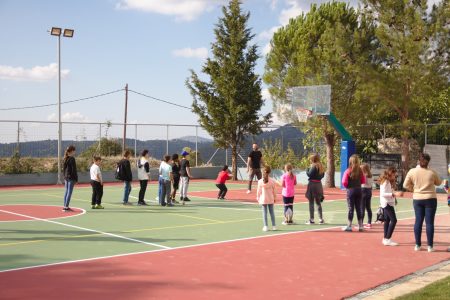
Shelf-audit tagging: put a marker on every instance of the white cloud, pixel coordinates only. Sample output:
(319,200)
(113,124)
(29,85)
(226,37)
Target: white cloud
(183,10)
(292,11)
(69,117)
(37,73)
(200,53)
(266,94)
(267,34)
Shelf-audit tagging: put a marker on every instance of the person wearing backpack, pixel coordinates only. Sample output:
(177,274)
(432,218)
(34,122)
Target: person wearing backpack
(124,174)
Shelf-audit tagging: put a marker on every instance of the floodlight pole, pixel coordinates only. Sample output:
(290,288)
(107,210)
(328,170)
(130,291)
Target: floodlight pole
(59,111)
(125,119)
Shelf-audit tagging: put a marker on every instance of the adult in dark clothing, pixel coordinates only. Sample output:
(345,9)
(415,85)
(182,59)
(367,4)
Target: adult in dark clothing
(254,163)
(314,191)
(70,175)
(176,176)
(127,176)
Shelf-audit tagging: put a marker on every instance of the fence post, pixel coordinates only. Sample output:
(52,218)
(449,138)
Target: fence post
(226,156)
(426,134)
(18,138)
(100,138)
(167,139)
(196,146)
(135,140)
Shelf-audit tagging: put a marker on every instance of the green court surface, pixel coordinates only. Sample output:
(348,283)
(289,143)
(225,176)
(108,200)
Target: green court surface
(122,229)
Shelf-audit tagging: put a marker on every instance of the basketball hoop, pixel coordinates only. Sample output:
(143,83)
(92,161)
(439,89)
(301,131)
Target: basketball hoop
(303,114)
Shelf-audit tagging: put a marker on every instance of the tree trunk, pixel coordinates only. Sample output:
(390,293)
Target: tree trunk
(234,161)
(330,140)
(405,148)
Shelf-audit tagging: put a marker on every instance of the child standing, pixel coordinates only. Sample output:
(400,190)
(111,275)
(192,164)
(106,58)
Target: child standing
(266,196)
(288,182)
(185,174)
(314,191)
(165,170)
(352,180)
(143,170)
(126,176)
(220,182)
(176,176)
(96,183)
(387,202)
(70,175)
(367,195)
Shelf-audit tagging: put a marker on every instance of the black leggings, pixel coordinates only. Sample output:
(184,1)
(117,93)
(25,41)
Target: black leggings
(366,201)
(390,220)
(354,202)
(142,190)
(222,190)
(97,192)
(288,203)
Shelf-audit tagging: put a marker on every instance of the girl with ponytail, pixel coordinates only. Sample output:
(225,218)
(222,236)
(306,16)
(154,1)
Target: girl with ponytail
(314,190)
(288,182)
(266,196)
(70,175)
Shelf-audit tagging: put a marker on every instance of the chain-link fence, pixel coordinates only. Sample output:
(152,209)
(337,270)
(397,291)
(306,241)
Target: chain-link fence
(38,140)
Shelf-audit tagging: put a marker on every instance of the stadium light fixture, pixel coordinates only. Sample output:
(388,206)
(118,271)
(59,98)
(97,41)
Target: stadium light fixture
(68,33)
(56,31)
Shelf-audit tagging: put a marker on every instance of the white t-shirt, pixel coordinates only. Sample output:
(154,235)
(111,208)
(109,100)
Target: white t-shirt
(164,170)
(95,170)
(386,196)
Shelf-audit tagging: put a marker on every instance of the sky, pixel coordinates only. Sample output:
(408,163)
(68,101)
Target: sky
(148,44)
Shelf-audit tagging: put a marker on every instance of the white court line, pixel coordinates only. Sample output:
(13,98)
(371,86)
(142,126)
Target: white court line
(184,247)
(83,211)
(87,229)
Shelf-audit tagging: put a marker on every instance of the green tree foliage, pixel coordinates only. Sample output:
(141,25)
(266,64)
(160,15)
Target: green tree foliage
(104,147)
(327,45)
(410,67)
(228,103)
(275,157)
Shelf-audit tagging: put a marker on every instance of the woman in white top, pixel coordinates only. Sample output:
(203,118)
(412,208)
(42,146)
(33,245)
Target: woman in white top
(367,195)
(387,202)
(143,170)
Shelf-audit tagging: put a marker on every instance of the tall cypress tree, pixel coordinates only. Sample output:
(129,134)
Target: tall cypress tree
(229,102)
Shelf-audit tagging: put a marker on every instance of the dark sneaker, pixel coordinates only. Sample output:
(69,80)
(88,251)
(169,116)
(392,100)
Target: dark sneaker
(127,203)
(187,199)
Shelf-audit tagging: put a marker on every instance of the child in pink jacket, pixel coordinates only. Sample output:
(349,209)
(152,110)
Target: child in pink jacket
(266,196)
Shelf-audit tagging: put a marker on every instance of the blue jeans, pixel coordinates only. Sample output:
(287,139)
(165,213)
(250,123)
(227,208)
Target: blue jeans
(126,191)
(424,209)
(354,202)
(160,183)
(272,214)
(164,196)
(68,184)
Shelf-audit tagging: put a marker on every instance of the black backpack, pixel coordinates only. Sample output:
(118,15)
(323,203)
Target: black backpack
(119,174)
(380,215)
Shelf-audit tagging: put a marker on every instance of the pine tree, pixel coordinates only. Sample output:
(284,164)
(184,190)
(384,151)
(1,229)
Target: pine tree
(228,104)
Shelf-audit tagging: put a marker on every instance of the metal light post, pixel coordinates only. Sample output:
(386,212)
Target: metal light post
(56,31)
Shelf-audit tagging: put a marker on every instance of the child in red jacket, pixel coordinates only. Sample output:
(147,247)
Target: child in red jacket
(220,182)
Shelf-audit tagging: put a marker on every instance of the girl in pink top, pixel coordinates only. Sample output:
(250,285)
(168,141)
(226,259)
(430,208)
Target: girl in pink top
(288,182)
(266,196)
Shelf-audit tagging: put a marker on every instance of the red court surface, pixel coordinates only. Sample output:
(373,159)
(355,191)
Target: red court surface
(30,212)
(241,194)
(325,264)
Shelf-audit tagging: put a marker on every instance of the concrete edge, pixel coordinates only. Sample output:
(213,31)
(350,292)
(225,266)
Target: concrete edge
(380,292)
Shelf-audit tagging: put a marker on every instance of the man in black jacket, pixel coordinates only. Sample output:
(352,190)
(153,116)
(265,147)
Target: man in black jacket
(127,176)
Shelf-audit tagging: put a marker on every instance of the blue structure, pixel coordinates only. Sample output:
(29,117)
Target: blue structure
(348,147)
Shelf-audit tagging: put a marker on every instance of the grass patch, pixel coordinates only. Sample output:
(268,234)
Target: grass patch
(439,290)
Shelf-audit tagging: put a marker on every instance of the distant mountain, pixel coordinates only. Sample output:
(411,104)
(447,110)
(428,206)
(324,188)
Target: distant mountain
(191,138)
(158,148)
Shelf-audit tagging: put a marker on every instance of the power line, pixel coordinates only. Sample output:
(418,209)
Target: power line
(161,100)
(65,102)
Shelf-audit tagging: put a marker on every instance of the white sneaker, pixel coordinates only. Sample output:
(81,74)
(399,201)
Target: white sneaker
(430,249)
(284,223)
(389,242)
(265,228)
(417,248)
(274,228)
(248,191)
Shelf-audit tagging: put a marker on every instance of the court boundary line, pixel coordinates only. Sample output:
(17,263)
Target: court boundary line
(88,229)
(184,247)
(83,211)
